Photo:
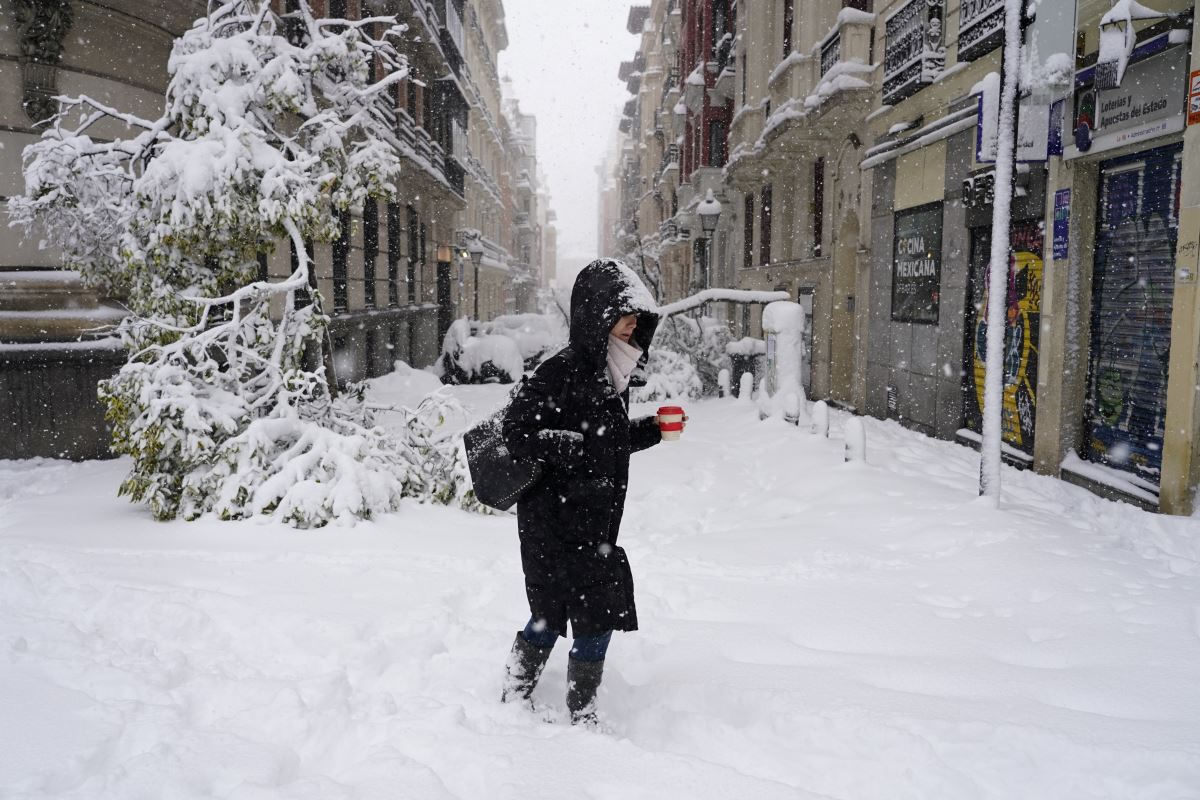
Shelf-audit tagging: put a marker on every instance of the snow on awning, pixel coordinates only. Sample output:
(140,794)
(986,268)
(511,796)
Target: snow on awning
(943,128)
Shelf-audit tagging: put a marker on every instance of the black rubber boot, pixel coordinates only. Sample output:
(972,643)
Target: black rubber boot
(524,667)
(583,679)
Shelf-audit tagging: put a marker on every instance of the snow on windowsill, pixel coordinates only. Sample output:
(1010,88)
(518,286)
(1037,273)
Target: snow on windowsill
(106,343)
(21,275)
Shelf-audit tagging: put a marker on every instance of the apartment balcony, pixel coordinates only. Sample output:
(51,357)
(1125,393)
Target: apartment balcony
(909,63)
(453,34)
(638,16)
(456,176)
(694,88)
(671,89)
(674,20)
(437,156)
(724,56)
(844,71)
(522,222)
(832,80)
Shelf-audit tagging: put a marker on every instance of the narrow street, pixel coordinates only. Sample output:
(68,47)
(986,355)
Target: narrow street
(809,628)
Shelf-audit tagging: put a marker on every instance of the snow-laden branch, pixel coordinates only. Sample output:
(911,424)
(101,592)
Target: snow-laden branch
(721,295)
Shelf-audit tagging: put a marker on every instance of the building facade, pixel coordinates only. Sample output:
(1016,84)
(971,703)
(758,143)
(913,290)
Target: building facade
(859,176)
(392,282)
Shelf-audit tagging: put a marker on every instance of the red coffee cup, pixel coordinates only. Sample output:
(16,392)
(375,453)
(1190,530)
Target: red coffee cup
(670,422)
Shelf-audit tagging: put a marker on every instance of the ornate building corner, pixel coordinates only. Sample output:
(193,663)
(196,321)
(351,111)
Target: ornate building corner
(42,27)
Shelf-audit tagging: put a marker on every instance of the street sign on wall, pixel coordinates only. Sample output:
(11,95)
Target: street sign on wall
(1062,224)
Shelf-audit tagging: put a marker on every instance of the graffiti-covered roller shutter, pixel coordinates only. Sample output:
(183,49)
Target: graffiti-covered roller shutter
(1132,290)
(1022,325)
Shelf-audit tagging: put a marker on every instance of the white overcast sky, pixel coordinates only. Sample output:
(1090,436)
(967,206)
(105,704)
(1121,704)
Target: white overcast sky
(563,57)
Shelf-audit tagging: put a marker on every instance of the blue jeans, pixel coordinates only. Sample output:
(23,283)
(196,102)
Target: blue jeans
(584,648)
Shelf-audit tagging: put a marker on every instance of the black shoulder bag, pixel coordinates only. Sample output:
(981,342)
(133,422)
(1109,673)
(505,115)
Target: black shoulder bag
(499,479)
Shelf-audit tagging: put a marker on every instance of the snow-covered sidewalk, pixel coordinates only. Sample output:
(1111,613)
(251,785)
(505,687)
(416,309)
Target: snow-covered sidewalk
(809,629)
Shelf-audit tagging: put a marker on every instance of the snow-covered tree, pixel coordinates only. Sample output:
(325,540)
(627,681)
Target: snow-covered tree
(272,127)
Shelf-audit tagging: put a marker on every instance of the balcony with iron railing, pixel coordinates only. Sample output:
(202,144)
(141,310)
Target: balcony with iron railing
(844,60)
(837,67)
(909,60)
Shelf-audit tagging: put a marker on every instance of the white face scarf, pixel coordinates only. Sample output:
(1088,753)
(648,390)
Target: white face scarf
(622,360)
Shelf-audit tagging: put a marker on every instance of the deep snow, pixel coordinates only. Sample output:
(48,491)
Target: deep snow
(810,628)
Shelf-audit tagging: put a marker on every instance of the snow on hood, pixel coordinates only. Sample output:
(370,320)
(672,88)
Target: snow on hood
(606,290)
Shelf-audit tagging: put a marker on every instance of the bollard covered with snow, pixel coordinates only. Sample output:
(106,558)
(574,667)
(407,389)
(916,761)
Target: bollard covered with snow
(856,440)
(745,388)
(783,325)
(820,419)
(791,408)
(723,383)
(745,355)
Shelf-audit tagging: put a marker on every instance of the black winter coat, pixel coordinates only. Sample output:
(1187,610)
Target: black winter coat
(569,416)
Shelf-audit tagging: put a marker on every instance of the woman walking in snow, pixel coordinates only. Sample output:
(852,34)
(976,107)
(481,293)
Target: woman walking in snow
(572,415)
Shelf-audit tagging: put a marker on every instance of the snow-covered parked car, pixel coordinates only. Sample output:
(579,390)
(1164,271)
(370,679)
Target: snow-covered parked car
(498,351)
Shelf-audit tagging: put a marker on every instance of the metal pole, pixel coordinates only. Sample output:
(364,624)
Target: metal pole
(992,441)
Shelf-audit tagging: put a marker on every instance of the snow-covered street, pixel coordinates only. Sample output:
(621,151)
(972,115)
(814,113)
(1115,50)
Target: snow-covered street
(809,629)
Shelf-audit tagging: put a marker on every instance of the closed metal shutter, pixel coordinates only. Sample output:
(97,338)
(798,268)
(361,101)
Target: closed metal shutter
(1022,328)
(1132,291)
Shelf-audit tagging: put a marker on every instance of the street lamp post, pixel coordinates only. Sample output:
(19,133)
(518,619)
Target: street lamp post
(475,249)
(709,210)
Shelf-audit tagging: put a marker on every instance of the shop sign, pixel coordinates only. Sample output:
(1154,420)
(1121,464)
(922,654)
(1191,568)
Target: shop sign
(1033,131)
(1038,129)
(1062,224)
(1149,103)
(917,264)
